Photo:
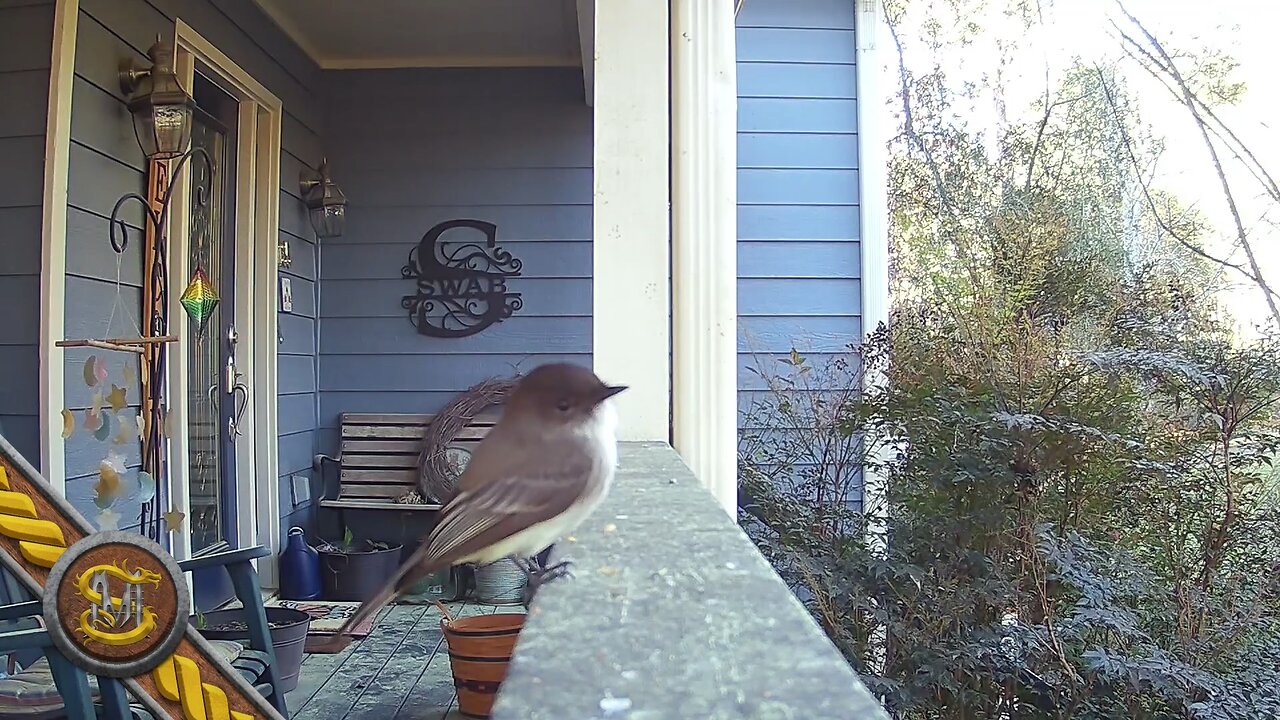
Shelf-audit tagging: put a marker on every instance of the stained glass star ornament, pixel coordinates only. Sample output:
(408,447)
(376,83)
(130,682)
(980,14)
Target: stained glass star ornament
(199,299)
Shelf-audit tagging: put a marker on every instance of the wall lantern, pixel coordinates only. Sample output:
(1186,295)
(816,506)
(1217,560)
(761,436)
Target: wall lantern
(161,108)
(325,202)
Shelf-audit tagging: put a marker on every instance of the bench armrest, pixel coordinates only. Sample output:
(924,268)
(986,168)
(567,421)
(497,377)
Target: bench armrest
(17,611)
(30,639)
(226,557)
(329,470)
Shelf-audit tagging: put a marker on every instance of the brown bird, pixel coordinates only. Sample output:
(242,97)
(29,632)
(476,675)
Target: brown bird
(541,470)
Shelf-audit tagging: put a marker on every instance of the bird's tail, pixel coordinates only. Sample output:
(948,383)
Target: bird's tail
(409,573)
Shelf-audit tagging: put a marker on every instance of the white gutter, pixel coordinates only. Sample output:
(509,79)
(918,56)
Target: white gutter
(873,239)
(873,213)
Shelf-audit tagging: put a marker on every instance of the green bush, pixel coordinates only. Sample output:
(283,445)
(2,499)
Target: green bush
(1079,518)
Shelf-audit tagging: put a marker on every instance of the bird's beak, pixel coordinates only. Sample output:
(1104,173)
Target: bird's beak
(608,392)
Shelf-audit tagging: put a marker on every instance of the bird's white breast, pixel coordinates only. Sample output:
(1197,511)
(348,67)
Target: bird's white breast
(602,432)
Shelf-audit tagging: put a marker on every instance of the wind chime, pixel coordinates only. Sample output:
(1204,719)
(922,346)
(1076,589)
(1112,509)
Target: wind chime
(162,112)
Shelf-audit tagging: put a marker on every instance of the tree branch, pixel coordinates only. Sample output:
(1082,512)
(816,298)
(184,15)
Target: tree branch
(1146,190)
(1192,104)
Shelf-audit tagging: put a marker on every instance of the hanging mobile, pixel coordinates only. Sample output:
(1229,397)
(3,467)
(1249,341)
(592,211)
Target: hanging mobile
(199,301)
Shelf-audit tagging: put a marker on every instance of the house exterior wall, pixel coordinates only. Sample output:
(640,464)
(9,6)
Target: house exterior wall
(105,162)
(412,148)
(799,260)
(24,83)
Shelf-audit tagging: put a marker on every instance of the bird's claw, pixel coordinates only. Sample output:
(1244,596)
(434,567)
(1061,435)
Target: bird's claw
(559,570)
(537,577)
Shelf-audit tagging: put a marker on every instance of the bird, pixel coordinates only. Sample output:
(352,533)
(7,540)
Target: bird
(547,463)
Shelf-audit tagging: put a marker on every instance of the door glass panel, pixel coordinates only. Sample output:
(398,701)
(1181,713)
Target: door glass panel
(210,246)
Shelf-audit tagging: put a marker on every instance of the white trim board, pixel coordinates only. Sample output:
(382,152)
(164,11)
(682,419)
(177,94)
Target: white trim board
(257,230)
(448,61)
(586,12)
(704,237)
(53,239)
(327,62)
(631,278)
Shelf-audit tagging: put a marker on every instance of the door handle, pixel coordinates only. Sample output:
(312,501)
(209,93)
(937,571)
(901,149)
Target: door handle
(233,423)
(234,386)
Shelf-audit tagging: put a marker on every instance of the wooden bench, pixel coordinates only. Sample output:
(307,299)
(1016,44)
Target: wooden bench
(378,460)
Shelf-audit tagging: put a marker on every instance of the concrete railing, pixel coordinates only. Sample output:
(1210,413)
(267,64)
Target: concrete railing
(672,613)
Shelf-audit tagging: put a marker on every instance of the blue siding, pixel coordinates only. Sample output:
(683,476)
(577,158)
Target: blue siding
(798,256)
(24,82)
(510,146)
(106,162)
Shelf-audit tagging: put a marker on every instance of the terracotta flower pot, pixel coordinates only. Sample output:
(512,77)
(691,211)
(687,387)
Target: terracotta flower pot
(480,649)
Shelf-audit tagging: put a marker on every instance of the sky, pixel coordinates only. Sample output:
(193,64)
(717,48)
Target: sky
(1244,28)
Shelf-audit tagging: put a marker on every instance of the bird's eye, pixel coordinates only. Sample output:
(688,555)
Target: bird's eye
(563,406)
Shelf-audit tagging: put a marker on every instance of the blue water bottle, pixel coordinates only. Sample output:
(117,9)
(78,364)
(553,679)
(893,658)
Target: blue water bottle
(299,568)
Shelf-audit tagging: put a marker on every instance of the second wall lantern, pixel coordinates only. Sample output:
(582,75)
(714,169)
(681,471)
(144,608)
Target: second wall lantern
(161,108)
(325,202)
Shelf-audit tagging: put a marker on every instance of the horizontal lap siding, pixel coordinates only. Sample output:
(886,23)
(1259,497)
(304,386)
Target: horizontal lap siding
(508,146)
(106,162)
(799,268)
(26,44)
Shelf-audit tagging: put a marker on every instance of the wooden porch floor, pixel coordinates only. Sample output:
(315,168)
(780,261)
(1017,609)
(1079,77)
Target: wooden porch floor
(399,672)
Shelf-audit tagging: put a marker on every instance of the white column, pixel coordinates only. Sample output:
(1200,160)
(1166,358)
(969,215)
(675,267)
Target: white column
(704,242)
(53,258)
(631,228)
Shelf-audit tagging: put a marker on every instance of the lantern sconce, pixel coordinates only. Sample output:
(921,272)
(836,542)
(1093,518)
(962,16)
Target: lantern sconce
(161,108)
(326,204)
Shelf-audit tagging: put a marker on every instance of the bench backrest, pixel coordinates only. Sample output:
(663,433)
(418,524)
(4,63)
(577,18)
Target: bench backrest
(379,460)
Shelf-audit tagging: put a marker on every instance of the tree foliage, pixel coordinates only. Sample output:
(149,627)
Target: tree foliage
(1078,454)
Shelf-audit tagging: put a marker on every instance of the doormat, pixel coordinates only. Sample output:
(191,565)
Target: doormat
(327,617)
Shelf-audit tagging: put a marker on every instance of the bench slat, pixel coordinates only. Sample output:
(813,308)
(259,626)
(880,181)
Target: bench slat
(353,504)
(405,476)
(380,461)
(387,418)
(383,431)
(355,447)
(487,417)
(373,491)
(412,432)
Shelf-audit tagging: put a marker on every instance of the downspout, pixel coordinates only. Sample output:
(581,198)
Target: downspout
(873,213)
(873,242)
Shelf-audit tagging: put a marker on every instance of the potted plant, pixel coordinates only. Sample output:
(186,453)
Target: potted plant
(354,572)
(287,627)
(480,648)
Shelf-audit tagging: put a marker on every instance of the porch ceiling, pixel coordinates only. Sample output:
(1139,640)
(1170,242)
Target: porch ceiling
(340,34)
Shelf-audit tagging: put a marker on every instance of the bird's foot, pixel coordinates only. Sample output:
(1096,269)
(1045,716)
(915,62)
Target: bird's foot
(537,577)
(528,566)
(555,572)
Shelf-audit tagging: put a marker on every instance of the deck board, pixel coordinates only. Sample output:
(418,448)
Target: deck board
(316,671)
(432,696)
(399,672)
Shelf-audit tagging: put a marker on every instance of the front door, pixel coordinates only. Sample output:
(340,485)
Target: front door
(216,391)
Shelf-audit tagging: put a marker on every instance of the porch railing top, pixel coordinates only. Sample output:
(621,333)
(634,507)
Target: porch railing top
(672,613)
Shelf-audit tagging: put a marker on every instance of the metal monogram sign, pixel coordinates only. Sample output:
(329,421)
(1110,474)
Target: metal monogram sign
(461,287)
(116,604)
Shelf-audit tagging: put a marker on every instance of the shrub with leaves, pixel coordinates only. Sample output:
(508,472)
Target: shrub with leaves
(1078,456)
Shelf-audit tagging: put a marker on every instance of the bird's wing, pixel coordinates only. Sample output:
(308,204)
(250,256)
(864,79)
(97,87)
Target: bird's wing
(503,506)
(477,518)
